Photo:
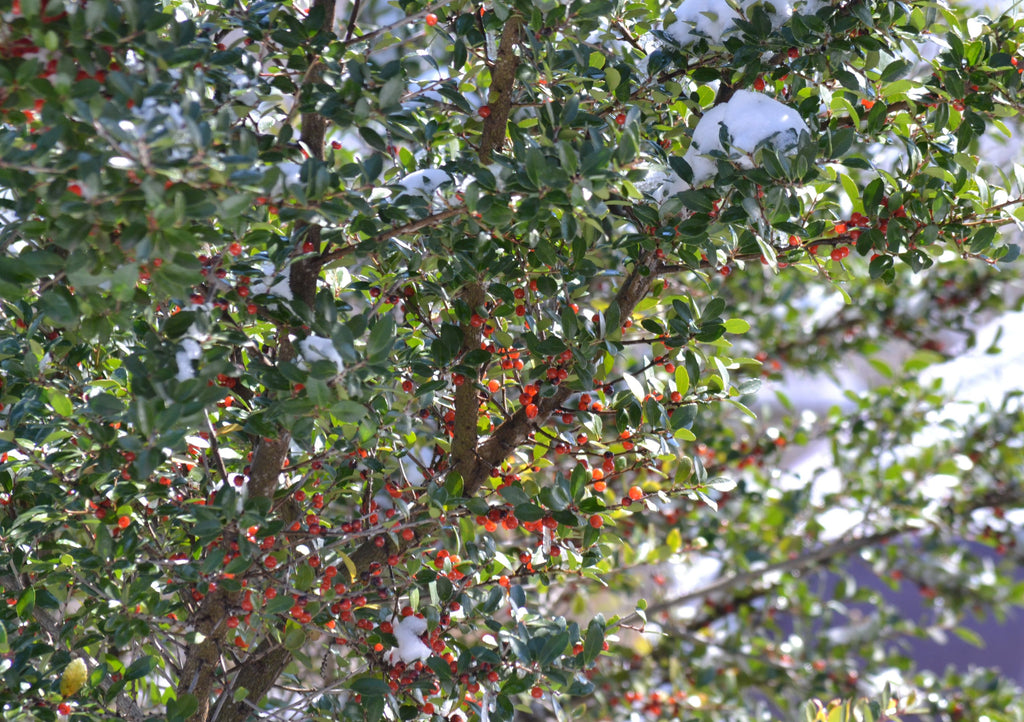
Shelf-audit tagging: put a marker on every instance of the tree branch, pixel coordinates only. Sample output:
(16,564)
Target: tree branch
(467,406)
(513,432)
(257,674)
(202,658)
(725,584)
(503,78)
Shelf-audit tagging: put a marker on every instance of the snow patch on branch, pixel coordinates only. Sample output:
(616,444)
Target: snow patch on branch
(747,122)
(315,348)
(270,283)
(189,351)
(410,647)
(715,20)
(424,182)
(750,120)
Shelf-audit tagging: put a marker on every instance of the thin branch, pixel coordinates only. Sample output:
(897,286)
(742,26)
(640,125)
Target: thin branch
(725,584)
(406,19)
(351,29)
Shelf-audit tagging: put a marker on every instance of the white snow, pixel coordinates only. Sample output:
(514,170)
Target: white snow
(424,182)
(290,178)
(319,348)
(751,120)
(190,351)
(661,184)
(268,285)
(715,19)
(410,647)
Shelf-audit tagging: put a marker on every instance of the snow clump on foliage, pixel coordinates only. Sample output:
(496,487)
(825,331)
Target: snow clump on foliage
(714,20)
(189,351)
(750,120)
(319,348)
(410,647)
(271,284)
(424,182)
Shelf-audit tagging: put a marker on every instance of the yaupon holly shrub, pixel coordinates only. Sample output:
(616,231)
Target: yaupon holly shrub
(402,361)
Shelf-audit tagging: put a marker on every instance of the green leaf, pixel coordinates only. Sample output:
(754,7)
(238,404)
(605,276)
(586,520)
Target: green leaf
(682,379)
(59,402)
(736,325)
(26,603)
(390,93)
(382,337)
(294,637)
(369,686)
(594,641)
(140,668)
(635,387)
(181,708)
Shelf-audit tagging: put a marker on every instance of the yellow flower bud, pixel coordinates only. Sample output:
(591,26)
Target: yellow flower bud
(73,678)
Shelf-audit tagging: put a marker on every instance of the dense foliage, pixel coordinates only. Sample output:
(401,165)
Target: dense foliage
(407,361)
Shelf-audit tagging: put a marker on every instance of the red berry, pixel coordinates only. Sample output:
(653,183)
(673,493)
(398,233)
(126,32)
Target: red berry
(636,493)
(308,247)
(839,253)
(759,84)
(596,521)
(620,118)
(794,53)
(407,386)
(537,692)
(484,111)
(431,19)
(235,249)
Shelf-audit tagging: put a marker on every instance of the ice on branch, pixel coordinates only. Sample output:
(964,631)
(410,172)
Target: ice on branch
(315,348)
(715,20)
(410,647)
